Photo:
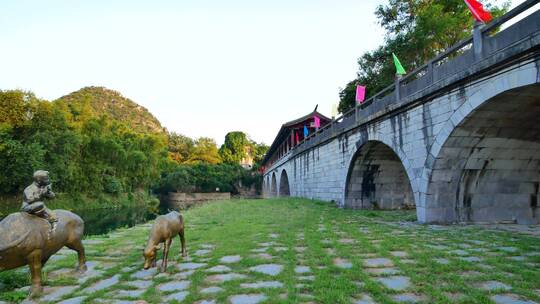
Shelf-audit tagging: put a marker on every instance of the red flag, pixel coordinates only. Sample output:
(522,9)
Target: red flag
(297,137)
(317,121)
(478,11)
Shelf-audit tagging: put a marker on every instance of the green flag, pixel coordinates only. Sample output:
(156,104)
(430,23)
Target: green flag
(399,68)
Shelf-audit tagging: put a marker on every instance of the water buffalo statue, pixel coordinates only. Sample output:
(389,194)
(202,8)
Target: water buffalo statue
(27,239)
(165,228)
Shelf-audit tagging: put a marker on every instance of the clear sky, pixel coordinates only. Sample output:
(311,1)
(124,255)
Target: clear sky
(203,67)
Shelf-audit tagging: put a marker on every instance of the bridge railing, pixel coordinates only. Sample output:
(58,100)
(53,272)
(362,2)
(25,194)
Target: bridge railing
(450,62)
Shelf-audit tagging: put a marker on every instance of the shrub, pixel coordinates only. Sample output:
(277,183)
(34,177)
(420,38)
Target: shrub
(208,177)
(112,185)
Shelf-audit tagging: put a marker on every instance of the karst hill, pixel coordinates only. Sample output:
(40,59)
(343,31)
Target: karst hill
(97,101)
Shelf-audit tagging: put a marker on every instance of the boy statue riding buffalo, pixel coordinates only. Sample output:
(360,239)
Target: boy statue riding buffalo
(32,236)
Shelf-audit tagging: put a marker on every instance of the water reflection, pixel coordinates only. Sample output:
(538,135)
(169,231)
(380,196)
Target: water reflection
(102,221)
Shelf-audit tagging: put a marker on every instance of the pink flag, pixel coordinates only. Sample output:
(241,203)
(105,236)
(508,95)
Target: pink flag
(360,93)
(317,121)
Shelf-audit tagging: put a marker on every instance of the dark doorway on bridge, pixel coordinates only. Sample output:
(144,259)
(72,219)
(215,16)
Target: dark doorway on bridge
(284,190)
(488,170)
(377,180)
(273,186)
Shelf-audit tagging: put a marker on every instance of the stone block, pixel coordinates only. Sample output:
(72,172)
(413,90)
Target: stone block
(442,176)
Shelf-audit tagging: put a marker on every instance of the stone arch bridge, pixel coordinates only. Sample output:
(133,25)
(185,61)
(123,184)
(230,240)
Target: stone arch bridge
(458,139)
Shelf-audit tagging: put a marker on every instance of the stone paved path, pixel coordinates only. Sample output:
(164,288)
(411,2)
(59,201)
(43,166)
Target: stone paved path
(373,262)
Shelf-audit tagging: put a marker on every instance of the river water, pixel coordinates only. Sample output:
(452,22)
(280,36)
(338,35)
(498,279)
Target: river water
(102,221)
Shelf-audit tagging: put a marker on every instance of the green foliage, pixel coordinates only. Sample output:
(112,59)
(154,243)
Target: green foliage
(10,281)
(87,201)
(17,160)
(416,31)
(15,107)
(101,149)
(235,147)
(204,151)
(184,150)
(238,148)
(112,185)
(180,147)
(203,177)
(258,154)
(96,101)
(85,151)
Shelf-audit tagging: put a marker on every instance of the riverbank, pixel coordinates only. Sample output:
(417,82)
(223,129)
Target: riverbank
(298,251)
(84,202)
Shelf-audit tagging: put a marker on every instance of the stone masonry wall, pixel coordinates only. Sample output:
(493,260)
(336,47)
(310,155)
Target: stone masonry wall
(415,135)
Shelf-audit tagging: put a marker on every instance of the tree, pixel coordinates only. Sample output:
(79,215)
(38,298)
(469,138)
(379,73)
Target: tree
(180,147)
(203,177)
(416,30)
(258,154)
(205,151)
(86,152)
(16,107)
(18,161)
(235,148)
(238,146)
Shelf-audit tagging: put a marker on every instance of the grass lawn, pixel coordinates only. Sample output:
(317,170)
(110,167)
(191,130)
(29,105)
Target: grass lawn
(299,251)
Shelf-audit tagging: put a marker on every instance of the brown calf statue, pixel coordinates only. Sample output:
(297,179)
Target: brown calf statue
(26,239)
(165,228)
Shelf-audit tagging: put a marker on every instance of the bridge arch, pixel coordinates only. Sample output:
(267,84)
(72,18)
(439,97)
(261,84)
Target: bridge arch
(266,186)
(377,179)
(284,185)
(273,186)
(487,167)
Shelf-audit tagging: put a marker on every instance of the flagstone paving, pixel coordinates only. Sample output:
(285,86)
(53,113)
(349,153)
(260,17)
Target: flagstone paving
(395,282)
(247,299)
(493,285)
(509,299)
(342,263)
(103,284)
(179,296)
(218,268)
(230,259)
(408,298)
(76,300)
(269,269)
(129,293)
(220,278)
(363,299)
(174,286)
(240,253)
(212,289)
(266,284)
(58,292)
(378,262)
(302,269)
